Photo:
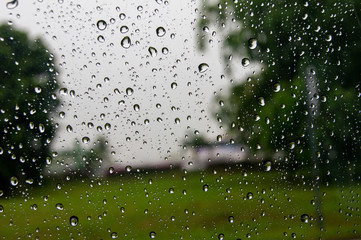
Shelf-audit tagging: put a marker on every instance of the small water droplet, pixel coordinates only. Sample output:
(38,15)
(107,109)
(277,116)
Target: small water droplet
(129,91)
(174,85)
(74,221)
(102,25)
(37,89)
(261,101)
(85,140)
(101,38)
(59,206)
(128,168)
(205,187)
(230,219)
(221,236)
(245,62)
(114,235)
(122,16)
(267,166)
(276,87)
(126,42)
(160,31)
(203,67)
(136,107)
(250,195)
(14,181)
(165,51)
(69,129)
(124,29)
(111,170)
(219,138)
(153,52)
(305,218)
(177,121)
(152,234)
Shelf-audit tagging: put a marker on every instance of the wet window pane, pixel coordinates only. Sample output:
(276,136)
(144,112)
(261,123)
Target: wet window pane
(180,119)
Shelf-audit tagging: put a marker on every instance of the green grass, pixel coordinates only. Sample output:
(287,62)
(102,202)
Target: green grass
(135,204)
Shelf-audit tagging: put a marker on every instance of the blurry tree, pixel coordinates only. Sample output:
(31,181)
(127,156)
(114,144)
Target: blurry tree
(27,99)
(300,45)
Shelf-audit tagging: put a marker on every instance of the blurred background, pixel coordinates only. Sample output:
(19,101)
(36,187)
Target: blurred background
(186,120)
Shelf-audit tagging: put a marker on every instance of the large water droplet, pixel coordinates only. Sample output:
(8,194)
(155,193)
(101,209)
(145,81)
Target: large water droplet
(69,128)
(126,42)
(205,187)
(122,16)
(267,166)
(160,31)
(114,235)
(174,85)
(250,195)
(74,221)
(153,52)
(252,43)
(276,87)
(128,168)
(101,39)
(165,51)
(102,25)
(12,4)
(261,101)
(203,67)
(129,91)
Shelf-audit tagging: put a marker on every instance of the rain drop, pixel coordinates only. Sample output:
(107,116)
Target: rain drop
(129,91)
(128,168)
(59,206)
(101,39)
(124,29)
(102,25)
(160,31)
(174,85)
(305,218)
(252,43)
(250,195)
(85,140)
(205,188)
(276,87)
(14,181)
(203,67)
(74,221)
(125,42)
(152,51)
(136,107)
(152,234)
(69,129)
(245,62)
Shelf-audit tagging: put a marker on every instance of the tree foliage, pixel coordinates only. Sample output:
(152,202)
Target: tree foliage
(293,40)
(27,96)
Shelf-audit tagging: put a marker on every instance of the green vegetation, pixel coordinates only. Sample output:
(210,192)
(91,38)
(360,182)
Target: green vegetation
(266,205)
(27,98)
(305,101)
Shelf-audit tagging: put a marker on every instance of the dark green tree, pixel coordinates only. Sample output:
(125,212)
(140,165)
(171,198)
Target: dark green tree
(27,100)
(305,101)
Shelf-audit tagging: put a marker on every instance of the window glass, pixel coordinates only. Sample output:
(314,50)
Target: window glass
(180,119)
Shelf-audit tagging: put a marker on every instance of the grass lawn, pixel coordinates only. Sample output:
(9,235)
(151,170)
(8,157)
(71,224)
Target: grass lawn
(176,205)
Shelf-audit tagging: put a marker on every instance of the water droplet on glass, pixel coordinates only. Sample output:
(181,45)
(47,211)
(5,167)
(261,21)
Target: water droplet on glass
(153,52)
(203,67)
(160,31)
(177,121)
(261,101)
(126,42)
(85,140)
(152,234)
(174,85)
(124,29)
(231,219)
(122,16)
(59,206)
(136,107)
(252,43)
(111,170)
(219,138)
(129,91)
(102,25)
(41,128)
(276,87)
(128,168)
(74,221)
(12,4)
(37,89)
(221,236)
(101,39)
(267,166)
(69,128)
(114,235)
(14,181)
(250,195)
(305,218)
(165,51)
(245,62)
(205,187)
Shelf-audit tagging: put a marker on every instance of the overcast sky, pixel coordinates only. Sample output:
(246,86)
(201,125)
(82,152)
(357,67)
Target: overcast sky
(93,63)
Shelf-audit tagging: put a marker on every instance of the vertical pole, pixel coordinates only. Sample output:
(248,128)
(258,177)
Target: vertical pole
(313,108)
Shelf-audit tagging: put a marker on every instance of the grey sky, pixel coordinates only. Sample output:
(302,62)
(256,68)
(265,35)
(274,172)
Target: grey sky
(100,73)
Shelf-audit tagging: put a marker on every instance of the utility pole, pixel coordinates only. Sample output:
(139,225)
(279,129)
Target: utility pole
(313,111)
